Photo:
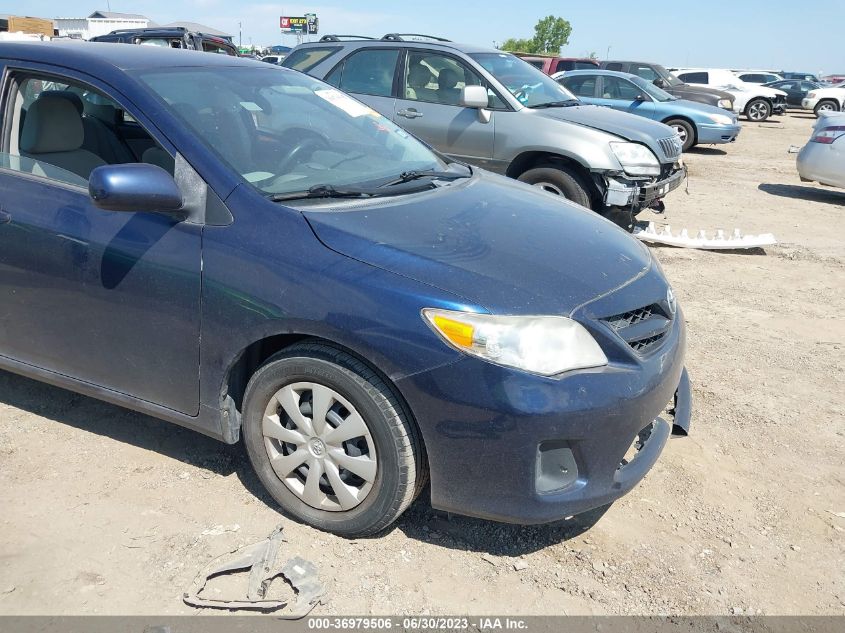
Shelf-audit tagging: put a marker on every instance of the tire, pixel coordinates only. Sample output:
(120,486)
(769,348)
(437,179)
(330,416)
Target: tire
(561,181)
(758,110)
(390,470)
(685,130)
(827,105)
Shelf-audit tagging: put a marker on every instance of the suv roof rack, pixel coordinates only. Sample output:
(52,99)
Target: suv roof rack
(150,28)
(337,38)
(400,37)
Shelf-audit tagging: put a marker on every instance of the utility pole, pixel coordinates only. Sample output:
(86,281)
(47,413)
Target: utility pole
(240,35)
(607,56)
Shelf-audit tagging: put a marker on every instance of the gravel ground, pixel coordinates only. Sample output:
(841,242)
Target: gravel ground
(111,512)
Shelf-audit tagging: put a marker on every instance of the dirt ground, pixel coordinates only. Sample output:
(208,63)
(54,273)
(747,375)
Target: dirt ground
(107,511)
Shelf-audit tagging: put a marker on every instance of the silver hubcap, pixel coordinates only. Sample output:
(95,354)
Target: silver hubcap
(757,111)
(682,132)
(547,186)
(319,446)
(826,107)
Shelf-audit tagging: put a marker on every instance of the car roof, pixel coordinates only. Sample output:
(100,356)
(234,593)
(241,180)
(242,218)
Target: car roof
(93,57)
(598,71)
(628,61)
(362,43)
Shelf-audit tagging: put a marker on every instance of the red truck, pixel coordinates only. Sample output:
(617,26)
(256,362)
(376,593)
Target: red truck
(551,64)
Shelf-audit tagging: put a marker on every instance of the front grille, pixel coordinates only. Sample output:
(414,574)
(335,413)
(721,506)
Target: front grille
(671,147)
(642,329)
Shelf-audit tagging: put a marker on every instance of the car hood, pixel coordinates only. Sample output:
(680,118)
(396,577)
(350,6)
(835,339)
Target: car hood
(630,127)
(688,89)
(496,242)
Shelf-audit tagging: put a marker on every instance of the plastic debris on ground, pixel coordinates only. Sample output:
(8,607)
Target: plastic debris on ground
(719,241)
(260,560)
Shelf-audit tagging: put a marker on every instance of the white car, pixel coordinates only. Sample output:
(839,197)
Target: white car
(820,100)
(822,159)
(757,103)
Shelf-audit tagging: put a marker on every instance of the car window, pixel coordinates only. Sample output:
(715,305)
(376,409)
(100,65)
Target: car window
(63,129)
(528,85)
(537,63)
(646,72)
(694,77)
(619,88)
(584,66)
(613,66)
(285,132)
(436,78)
(581,85)
(304,59)
(786,85)
(213,47)
(368,71)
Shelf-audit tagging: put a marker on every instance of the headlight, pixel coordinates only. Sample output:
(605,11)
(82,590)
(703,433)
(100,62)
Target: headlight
(725,103)
(545,345)
(811,95)
(721,119)
(636,159)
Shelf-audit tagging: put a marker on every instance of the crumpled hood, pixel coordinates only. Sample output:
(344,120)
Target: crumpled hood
(630,127)
(498,243)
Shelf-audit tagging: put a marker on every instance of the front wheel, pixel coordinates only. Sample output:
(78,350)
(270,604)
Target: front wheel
(560,181)
(330,440)
(685,130)
(758,110)
(826,106)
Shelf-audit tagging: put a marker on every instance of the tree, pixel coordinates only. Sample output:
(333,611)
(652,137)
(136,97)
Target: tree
(550,34)
(519,45)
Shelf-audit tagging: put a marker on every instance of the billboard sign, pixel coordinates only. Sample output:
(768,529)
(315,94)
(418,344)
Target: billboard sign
(302,24)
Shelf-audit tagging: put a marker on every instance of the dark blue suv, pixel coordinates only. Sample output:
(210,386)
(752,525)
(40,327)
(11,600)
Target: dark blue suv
(246,251)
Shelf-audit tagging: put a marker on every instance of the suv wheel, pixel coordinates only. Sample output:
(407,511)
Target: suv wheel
(330,440)
(560,181)
(826,106)
(684,130)
(758,110)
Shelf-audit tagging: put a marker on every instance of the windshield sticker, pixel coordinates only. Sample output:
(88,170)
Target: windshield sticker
(345,103)
(252,107)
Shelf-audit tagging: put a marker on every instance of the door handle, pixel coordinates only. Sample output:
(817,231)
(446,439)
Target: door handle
(410,113)
(5,217)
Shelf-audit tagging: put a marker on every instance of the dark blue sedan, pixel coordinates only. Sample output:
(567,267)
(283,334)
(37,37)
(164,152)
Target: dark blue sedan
(246,251)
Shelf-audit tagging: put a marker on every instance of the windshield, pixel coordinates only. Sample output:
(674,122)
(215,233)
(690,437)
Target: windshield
(283,131)
(530,86)
(669,77)
(658,94)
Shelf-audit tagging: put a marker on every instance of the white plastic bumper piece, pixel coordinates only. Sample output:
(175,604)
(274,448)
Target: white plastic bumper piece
(735,241)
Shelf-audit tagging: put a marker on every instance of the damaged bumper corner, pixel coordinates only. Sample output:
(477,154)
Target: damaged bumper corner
(621,192)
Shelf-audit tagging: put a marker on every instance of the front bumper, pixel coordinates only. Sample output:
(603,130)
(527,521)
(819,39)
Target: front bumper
(711,134)
(779,106)
(638,196)
(489,430)
(809,104)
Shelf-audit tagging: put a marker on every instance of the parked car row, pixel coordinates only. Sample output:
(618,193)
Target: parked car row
(693,122)
(267,258)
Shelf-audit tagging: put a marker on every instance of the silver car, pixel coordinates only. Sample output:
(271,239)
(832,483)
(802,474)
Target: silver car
(494,110)
(822,159)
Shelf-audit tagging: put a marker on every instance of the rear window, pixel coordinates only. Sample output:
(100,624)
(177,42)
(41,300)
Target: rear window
(693,78)
(304,59)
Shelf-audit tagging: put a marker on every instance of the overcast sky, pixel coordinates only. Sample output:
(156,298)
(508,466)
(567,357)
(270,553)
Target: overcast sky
(777,35)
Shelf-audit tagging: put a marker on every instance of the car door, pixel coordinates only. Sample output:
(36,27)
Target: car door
(430,86)
(621,94)
(369,74)
(107,298)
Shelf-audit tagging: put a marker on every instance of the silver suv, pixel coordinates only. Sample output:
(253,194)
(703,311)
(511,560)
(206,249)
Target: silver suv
(494,110)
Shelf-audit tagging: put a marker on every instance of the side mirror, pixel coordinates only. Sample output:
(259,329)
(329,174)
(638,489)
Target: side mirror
(473,97)
(133,187)
(660,82)
(641,97)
